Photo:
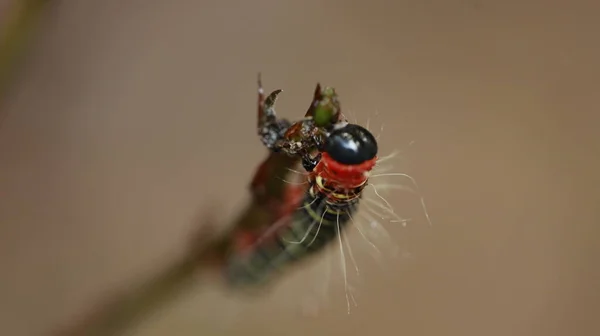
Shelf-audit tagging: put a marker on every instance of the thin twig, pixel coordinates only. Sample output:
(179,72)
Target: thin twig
(130,307)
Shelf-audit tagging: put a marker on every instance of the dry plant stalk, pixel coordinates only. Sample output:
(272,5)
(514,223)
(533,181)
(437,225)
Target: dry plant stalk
(127,308)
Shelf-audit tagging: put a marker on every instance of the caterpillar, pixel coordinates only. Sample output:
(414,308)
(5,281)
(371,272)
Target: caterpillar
(337,175)
(335,186)
(311,218)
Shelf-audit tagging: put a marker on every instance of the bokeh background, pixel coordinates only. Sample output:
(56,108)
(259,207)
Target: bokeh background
(129,117)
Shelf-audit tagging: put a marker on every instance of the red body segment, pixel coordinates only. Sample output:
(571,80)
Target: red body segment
(340,178)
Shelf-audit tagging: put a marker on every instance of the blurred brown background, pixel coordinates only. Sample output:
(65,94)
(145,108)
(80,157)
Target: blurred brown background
(130,116)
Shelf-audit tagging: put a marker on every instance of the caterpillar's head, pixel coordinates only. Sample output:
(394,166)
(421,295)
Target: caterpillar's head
(350,151)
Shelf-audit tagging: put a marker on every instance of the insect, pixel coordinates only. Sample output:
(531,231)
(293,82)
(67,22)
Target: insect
(336,181)
(340,160)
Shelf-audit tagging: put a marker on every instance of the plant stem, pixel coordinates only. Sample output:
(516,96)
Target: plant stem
(131,306)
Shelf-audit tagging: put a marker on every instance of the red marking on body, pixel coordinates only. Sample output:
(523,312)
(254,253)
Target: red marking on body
(243,241)
(345,176)
(246,240)
(293,200)
(260,177)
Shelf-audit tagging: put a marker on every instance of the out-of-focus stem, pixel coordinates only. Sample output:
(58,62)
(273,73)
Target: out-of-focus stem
(131,306)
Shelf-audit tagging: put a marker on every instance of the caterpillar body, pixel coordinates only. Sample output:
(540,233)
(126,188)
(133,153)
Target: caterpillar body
(336,182)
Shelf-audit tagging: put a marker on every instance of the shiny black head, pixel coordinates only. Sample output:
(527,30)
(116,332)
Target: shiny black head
(351,145)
